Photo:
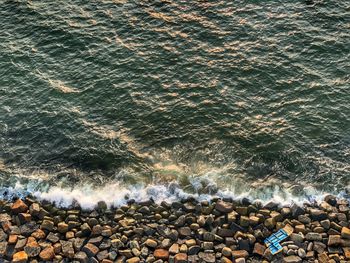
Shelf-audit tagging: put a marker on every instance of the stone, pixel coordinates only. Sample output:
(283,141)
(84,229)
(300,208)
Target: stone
(67,248)
(259,249)
(224,232)
(296,210)
(297,238)
(151,243)
(318,215)
(208,236)
(193,250)
(334,240)
(24,217)
(47,253)
(81,257)
(313,236)
(325,224)
(52,237)
(226,251)
(180,258)
(133,260)
(207,257)
(240,254)
(226,260)
(38,234)
(301,253)
(20,257)
(85,229)
(47,225)
(32,247)
(345,233)
(19,207)
(90,250)
(161,253)
(174,249)
(224,207)
(62,227)
(184,231)
(292,259)
(244,221)
(12,239)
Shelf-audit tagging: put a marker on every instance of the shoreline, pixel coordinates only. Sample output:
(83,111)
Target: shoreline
(222,230)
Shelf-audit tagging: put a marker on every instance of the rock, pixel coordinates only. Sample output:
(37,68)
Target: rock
(330,199)
(313,236)
(318,215)
(20,257)
(39,234)
(174,249)
(193,250)
(301,253)
(207,257)
(12,239)
(133,260)
(67,248)
(24,217)
(19,207)
(226,260)
(32,247)
(296,210)
(226,251)
(52,237)
(161,253)
(151,243)
(292,259)
(345,233)
(62,227)
(47,253)
(224,207)
(244,221)
(180,258)
(297,238)
(326,224)
(81,257)
(259,249)
(240,254)
(208,236)
(184,231)
(90,250)
(85,229)
(47,225)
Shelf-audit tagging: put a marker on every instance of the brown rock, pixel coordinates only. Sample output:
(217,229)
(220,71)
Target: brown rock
(259,249)
(240,254)
(19,207)
(62,227)
(225,260)
(292,259)
(161,253)
(47,254)
(345,233)
(39,234)
(224,207)
(133,260)
(24,217)
(180,258)
(20,257)
(346,252)
(323,258)
(334,240)
(13,239)
(90,249)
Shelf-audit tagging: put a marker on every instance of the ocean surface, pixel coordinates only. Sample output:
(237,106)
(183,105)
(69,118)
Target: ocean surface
(107,100)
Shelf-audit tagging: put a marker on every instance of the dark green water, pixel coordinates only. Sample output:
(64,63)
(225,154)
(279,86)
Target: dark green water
(207,96)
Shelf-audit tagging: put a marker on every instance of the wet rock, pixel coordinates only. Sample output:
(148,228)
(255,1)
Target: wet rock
(226,251)
(224,207)
(296,210)
(19,207)
(62,227)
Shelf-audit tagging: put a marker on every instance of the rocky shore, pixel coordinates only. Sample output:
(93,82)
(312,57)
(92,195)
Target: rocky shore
(187,231)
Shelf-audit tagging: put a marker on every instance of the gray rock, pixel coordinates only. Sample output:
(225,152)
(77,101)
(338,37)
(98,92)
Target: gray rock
(207,257)
(292,259)
(81,257)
